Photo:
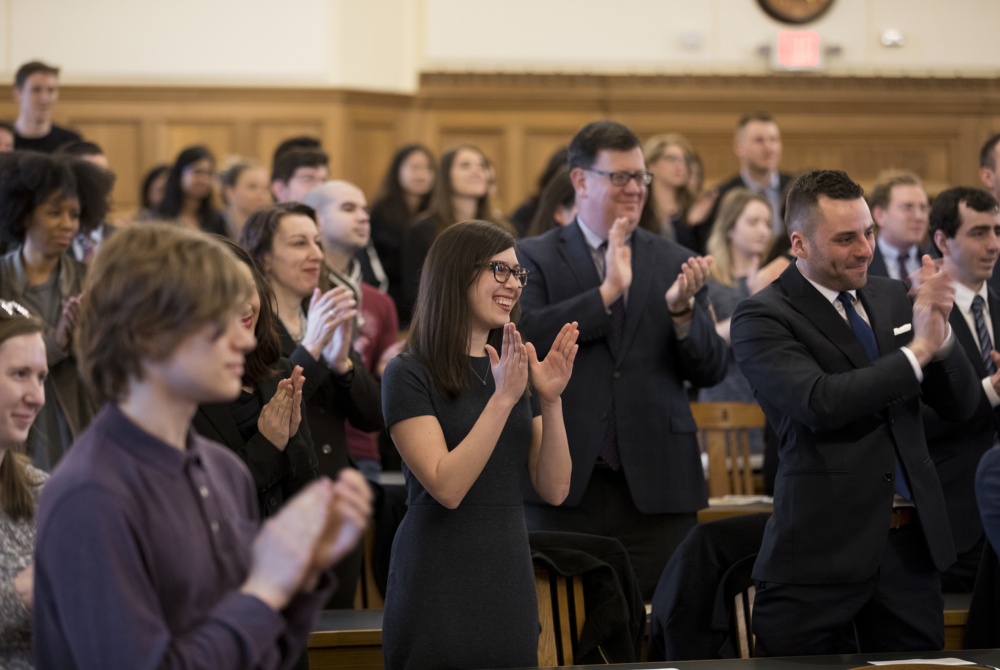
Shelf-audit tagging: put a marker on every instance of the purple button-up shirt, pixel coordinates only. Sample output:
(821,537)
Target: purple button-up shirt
(140,555)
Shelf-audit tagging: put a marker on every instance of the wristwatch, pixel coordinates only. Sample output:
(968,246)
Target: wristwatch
(684,312)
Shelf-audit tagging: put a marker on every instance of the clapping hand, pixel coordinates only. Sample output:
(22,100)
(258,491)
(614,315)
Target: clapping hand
(510,368)
(338,351)
(694,273)
(327,312)
(280,418)
(617,263)
(67,322)
(549,377)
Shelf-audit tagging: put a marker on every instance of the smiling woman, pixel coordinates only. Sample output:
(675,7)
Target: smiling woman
(44,203)
(459,407)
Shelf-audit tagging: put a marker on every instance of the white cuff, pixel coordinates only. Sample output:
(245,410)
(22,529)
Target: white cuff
(945,350)
(914,363)
(991,393)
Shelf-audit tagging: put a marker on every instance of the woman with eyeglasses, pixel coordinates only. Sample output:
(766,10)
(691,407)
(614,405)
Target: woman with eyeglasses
(188,195)
(23,370)
(461,193)
(44,202)
(672,209)
(469,426)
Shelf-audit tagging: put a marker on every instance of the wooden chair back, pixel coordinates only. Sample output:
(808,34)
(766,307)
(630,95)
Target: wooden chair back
(368,597)
(561,614)
(739,590)
(724,434)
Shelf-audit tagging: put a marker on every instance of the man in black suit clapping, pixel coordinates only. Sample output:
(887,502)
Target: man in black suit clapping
(965,229)
(841,363)
(645,328)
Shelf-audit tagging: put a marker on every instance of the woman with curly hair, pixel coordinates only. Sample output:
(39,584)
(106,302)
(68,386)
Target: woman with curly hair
(44,202)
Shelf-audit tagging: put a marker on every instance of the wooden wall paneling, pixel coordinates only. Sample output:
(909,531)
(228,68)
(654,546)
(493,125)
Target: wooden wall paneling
(120,142)
(539,145)
(370,146)
(268,134)
(217,136)
(509,175)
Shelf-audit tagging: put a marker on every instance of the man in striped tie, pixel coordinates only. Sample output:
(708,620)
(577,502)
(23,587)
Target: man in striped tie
(966,230)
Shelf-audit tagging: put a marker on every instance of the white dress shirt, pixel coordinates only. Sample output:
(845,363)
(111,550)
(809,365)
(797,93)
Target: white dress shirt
(963,301)
(891,256)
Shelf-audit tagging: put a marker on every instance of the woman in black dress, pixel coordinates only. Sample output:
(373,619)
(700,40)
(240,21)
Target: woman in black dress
(461,590)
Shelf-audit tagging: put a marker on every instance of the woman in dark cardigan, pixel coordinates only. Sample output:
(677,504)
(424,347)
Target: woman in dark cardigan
(283,240)
(266,425)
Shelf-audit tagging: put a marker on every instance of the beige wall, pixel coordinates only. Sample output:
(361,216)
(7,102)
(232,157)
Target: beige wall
(385,44)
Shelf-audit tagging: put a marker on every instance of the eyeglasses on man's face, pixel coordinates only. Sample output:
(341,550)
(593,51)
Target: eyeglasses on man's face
(502,272)
(621,179)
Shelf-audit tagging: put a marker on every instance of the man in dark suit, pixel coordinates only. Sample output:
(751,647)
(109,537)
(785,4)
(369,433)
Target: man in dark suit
(966,231)
(757,144)
(840,363)
(645,328)
(989,174)
(899,207)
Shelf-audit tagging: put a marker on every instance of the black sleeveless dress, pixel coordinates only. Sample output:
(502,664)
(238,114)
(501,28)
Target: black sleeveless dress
(461,591)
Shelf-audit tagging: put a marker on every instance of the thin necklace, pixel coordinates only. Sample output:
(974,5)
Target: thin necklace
(483,378)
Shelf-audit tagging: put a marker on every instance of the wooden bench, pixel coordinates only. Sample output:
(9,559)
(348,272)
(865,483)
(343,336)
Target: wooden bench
(346,639)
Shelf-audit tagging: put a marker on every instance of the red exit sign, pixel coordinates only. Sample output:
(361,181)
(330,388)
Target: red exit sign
(798,50)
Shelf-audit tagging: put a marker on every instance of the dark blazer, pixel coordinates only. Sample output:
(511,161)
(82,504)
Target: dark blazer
(878,268)
(988,497)
(417,241)
(277,474)
(957,447)
(330,400)
(838,417)
(704,229)
(645,379)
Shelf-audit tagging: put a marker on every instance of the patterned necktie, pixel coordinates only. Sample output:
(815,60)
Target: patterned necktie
(985,346)
(609,444)
(903,274)
(866,335)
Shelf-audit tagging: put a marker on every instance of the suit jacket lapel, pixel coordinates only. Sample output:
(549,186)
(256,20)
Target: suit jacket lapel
(880,323)
(642,277)
(575,252)
(222,419)
(968,340)
(804,297)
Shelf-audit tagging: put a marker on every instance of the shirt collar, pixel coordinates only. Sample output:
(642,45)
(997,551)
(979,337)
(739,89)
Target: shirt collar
(144,446)
(830,294)
(965,295)
(774,184)
(593,240)
(891,253)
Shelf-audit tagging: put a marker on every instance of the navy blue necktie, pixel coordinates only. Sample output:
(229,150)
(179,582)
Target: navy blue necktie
(866,336)
(608,449)
(985,346)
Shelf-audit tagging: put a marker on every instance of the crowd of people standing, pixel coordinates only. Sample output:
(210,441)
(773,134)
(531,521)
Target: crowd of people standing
(241,365)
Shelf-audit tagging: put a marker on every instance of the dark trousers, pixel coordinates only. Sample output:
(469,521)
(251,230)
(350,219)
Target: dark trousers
(899,609)
(961,577)
(607,509)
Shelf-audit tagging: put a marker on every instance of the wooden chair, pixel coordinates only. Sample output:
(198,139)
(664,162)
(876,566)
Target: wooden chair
(724,434)
(739,591)
(561,614)
(368,597)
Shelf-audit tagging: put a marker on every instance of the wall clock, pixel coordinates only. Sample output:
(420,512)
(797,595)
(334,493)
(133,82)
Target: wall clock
(795,11)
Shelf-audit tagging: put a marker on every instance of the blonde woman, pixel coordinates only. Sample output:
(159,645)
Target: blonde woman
(741,235)
(672,208)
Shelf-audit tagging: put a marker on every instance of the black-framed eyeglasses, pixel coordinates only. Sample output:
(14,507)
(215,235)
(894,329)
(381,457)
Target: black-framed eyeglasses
(12,310)
(502,272)
(621,179)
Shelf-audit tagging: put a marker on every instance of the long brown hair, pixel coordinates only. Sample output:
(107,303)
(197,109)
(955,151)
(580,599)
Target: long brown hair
(15,487)
(259,363)
(441,203)
(652,151)
(720,246)
(439,332)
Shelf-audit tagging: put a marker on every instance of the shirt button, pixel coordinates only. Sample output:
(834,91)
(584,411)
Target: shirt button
(604,416)
(203,491)
(887,476)
(215,526)
(273,502)
(618,374)
(327,449)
